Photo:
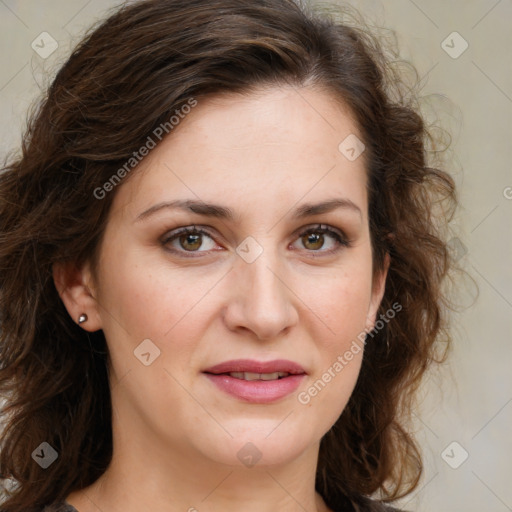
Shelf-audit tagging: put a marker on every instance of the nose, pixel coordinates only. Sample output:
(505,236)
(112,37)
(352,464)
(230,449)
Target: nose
(261,299)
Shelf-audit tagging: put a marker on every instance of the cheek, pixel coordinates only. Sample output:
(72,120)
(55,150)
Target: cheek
(340,302)
(148,298)
(341,306)
(340,349)
(330,391)
(170,306)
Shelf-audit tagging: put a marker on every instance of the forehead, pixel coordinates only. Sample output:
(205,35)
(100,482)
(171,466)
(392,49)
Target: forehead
(273,145)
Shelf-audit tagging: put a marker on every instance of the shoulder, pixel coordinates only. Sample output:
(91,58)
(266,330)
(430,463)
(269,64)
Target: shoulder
(59,507)
(388,508)
(365,504)
(369,505)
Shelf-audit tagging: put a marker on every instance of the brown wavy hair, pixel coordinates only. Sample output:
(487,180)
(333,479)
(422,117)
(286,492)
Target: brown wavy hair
(126,77)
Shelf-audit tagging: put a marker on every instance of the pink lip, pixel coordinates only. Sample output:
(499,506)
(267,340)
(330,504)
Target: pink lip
(250,365)
(256,391)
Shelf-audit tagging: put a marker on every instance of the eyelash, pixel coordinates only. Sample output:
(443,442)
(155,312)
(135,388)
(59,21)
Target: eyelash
(342,241)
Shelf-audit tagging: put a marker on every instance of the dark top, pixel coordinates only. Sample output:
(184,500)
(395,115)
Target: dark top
(368,506)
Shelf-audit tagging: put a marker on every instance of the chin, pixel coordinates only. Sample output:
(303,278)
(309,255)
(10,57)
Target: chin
(265,444)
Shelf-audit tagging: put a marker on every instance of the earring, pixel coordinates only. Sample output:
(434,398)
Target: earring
(82,318)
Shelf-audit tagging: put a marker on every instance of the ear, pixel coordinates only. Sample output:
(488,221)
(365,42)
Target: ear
(378,288)
(75,288)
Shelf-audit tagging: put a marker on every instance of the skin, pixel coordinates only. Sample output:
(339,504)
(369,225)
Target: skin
(176,436)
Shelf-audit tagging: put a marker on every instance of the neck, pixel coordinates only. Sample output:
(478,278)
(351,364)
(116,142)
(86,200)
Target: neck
(142,477)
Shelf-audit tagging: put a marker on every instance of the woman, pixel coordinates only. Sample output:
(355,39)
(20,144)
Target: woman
(221,269)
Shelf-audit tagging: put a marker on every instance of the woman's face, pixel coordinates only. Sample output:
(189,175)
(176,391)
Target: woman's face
(254,279)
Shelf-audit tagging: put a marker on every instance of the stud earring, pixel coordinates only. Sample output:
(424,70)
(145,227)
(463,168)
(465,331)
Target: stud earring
(82,318)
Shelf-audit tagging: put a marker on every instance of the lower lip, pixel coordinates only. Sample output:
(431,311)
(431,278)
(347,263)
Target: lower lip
(257,391)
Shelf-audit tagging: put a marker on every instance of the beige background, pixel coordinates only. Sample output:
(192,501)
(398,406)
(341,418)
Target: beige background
(470,402)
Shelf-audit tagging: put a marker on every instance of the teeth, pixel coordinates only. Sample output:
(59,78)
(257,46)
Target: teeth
(258,376)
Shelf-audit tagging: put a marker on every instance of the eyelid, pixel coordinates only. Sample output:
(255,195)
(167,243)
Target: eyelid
(327,228)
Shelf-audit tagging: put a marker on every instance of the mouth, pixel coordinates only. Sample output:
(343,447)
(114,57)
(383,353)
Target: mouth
(254,381)
(257,376)
(249,368)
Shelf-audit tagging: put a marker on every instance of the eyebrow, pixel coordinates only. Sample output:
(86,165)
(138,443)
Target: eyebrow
(223,212)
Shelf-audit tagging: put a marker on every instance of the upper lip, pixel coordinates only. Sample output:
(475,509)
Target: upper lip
(253,366)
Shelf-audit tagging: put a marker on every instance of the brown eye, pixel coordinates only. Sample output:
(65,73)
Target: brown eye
(190,242)
(313,241)
(322,240)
